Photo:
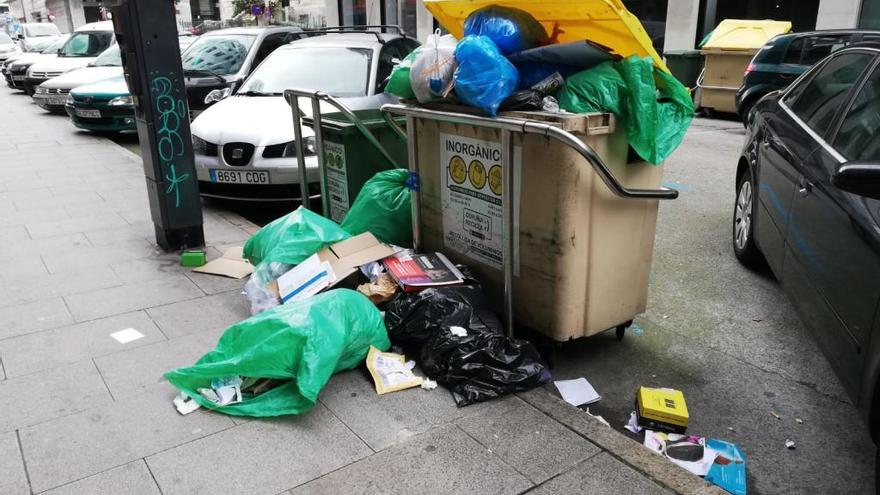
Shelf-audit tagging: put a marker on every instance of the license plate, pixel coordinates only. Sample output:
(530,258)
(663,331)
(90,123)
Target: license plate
(86,113)
(239,176)
(18,78)
(56,100)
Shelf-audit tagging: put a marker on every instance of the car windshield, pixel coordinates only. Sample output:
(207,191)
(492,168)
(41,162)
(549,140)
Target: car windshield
(87,44)
(36,30)
(219,54)
(55,45)
(339,71)
(110,58)
(5,39)
(41,44)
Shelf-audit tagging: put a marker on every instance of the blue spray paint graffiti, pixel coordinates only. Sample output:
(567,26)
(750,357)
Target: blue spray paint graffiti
(169,141)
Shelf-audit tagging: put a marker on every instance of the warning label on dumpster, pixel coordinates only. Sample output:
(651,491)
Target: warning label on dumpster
(337,181)
(472,198)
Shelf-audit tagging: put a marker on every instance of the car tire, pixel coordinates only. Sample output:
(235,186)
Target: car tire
(744,246)
(744,113)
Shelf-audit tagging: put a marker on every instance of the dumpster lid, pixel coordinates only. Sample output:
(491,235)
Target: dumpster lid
(738,34)
(606,22)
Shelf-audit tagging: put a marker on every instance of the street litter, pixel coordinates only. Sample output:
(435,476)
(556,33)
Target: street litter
(662,409)
(391,372)
(383,208)
(185,404)
(381,290)
(598,418)
(193,257)
(789,444)
(775,415)
(127,335)
(415,272)
(305,279)
(458,331)
(633,423)
(799,421)
(577,392)
(687,451)
(429,384)
(232,264)
(729,469)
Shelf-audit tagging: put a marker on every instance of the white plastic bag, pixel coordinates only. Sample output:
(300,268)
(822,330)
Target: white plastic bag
(431,74)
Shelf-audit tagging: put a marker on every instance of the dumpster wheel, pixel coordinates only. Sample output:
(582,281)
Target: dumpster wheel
(621,329)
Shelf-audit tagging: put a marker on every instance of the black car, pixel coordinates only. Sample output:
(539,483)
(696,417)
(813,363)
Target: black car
(784,58)
(808,202)
(217,62)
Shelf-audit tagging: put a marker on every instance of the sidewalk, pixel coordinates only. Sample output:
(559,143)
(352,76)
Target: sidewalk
(82,413)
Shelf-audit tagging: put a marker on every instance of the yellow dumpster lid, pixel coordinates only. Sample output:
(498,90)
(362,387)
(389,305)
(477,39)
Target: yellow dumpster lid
(606,22)
(738,34)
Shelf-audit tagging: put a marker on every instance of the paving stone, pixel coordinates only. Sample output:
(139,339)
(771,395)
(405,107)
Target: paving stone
(152,268)
(13,480)
(601,475)
(117,300)
(87,257)
(13,235)
(44,193)
(131,372)
(51,215)
(511,429)
(268,456)
(444,460)
(65,345)
(220,231)
(67,198)
(33,247)
(214,284)
(39,397)
(197,315)
(21,267)
(384,420)
(74,447)
(98,221)
(33,317)
(130,479)
(121,235)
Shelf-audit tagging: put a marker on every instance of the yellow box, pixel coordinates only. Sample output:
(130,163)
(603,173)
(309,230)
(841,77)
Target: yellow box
(663,405)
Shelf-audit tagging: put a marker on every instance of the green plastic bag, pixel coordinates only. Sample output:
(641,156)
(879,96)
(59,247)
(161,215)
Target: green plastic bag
(383,208)
(293,238)
(305,341)
(398,84)
(629,88)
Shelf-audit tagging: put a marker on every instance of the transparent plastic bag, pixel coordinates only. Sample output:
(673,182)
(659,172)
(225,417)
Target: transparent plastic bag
(431,74)
(256,289)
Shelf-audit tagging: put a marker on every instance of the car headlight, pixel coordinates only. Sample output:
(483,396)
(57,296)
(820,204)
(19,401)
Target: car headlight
(217,95)
(308,144)
(121,101)
(199,145)
(69,100)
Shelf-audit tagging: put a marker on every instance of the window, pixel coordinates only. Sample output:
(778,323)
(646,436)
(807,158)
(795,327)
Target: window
(87,44)
(352,12)
(341,72)
(794,52)
(857,138)
(36,30)
(819,47)
(393,52)
(269,44)
(110,58)
(816,101)
(220,54)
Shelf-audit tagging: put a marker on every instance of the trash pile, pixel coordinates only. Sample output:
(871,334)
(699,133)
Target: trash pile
(507,61)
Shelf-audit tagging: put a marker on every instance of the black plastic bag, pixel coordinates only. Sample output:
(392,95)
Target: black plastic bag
(482,365)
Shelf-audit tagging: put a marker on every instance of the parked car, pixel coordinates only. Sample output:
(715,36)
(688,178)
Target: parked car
(81,49)
(244,145)
(786,57)
(217,63)
(185,39)
(8,48)
(808,202)
(104,106)
(31,34)
(15,70)
(52,94)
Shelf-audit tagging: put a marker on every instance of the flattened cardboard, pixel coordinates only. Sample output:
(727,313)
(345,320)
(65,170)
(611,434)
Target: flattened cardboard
(346,256)
(232,264)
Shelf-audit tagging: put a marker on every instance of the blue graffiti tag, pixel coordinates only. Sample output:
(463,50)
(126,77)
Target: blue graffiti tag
(169,141)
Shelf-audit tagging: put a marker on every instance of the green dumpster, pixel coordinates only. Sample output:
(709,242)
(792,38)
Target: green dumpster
(350,159)
(685,65)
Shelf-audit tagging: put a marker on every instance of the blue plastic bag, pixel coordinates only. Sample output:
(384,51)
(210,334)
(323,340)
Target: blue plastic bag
(484,78)
(513,30)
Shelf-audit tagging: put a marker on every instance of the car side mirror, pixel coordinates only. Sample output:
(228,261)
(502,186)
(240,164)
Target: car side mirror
(860,178)
(58,51)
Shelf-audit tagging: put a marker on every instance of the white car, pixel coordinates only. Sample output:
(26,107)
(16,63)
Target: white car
(52,94)
(81,49)
(244,145)
(8,48)
(31,35)
(15,69)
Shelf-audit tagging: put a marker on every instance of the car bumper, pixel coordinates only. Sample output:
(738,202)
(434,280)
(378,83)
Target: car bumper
(49,102)
(283,179)
(15,80)
(111,119)
(31,82)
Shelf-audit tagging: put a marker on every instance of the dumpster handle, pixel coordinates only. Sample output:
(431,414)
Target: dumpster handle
(394,125)
(507,126)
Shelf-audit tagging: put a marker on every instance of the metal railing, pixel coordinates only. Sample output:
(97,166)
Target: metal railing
(507,126)
(316,97)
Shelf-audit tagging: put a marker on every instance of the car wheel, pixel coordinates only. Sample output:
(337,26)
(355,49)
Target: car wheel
(743,222)
(744,113)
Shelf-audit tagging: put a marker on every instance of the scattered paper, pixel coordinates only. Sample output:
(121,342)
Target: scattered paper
(127,335)
(185,404)
(687,451)
(380,290)
(799,421)
(228,389)
(599,418)
(633,423)
(458,331)
(729,469)
(429,384)
(577,392)
(305,279)
(789,444)
(391,372)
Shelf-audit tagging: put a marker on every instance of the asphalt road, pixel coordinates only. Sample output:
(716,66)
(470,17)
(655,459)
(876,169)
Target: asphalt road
(726,336)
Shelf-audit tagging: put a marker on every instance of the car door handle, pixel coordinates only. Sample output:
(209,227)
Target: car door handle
(805,187)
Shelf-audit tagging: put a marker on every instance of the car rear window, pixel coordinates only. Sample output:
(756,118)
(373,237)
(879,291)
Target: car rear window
(220,54)
(87,44)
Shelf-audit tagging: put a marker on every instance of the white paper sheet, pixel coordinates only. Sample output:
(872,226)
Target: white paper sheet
(305,279)
(127,335)
(577,392)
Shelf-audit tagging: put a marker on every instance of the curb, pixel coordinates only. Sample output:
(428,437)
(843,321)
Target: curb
(628,451)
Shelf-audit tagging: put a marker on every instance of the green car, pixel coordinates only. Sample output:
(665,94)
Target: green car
(104,106)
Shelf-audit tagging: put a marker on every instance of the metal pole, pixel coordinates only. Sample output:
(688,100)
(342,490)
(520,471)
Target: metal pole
(415,194)
(300,153)
(507,233)
(319,150)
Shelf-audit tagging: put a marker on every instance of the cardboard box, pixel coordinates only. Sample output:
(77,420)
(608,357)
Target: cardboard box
(662,409)
(232,264)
